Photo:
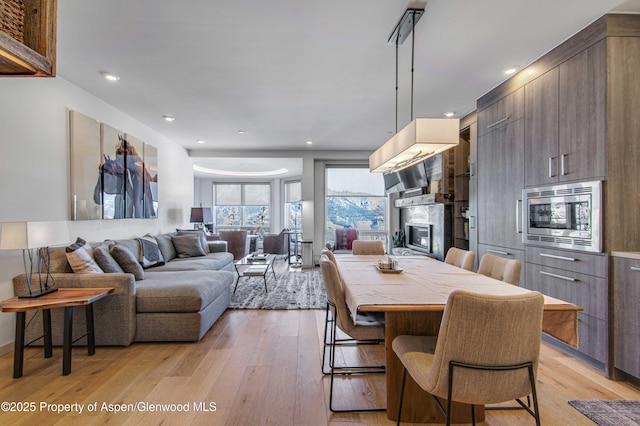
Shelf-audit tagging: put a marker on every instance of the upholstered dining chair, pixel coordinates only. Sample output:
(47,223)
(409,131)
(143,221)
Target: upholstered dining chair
(486,352)
(461,258)
(507,270)
(368,329)
(329,254)
(367,247)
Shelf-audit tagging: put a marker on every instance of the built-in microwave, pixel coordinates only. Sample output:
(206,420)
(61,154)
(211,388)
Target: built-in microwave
(564,216)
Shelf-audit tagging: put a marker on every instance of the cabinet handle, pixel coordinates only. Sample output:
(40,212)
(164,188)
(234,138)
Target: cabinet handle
(562,164)
(554,256)
(504,253)
(498,122)
(472,169)
(472,222)
(635,268)
(562,277)
(551,167)
(519,216)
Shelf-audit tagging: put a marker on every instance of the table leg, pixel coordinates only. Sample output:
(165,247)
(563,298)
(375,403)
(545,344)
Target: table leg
(237,279)
(273,270)
(48,339)
(91,339)
(67,340)
(18,351)
(265,282)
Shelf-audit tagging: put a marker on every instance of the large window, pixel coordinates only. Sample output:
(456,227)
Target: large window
(355,199)
(293,205)
(242,204)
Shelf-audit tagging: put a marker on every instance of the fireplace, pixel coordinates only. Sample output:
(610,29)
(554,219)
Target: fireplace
(418,237)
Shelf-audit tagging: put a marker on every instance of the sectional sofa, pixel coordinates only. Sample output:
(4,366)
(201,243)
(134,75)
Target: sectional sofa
(178,300)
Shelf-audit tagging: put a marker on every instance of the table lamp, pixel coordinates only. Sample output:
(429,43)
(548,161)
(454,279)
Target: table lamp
(200,216)
(34,239)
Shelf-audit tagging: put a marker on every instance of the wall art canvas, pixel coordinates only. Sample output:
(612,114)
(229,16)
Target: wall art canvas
(119,170)
(85,152)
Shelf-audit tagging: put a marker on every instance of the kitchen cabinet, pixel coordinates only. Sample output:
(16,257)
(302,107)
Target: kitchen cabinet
(579,278)
(565,113)
(626,312)
(501,172)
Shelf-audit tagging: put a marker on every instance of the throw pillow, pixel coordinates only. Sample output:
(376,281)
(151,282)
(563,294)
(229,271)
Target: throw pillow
(201,235)
(80,257)
(166,247)
(106,262)
(127,261)
(149,252)
(188,245)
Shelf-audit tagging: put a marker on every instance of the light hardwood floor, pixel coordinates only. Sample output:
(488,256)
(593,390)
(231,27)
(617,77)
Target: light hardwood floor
(256,367)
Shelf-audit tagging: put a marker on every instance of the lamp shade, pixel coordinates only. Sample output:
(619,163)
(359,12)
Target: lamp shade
(420,139)
(201,215)
(31,235)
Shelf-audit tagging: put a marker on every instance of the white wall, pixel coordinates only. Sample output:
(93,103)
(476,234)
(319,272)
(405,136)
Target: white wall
(34,169)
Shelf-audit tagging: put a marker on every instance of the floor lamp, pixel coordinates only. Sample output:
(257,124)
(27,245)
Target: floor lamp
(34,239)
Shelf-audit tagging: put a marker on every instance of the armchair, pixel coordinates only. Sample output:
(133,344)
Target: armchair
(237,242)
(275,243)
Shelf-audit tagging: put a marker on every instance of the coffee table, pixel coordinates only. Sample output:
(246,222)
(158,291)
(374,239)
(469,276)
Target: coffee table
(65,298)
(254,265)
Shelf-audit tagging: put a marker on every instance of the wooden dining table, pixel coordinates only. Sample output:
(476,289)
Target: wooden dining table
(413,302)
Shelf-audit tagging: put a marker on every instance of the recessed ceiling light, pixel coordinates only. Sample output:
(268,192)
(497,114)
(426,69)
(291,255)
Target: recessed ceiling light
(309,142)
(200,141)
(110,77)
(241,132)
(511,70)
(168,118)
(449,114)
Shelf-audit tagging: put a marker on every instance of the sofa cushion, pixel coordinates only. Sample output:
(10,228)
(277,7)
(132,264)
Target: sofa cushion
(80,257)
(188,245)
(150,254)
(127,261)
(106,262)
(201,235)
(181,291)
(210,262)
(166,246)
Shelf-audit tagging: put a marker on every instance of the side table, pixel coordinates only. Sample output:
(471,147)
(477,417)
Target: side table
(65,298)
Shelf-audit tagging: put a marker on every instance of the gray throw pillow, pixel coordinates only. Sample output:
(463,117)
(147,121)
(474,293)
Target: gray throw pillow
(105,261)
(188,245)
(150,254)
(166,247)
(80,257)
(127,261)
(199,233)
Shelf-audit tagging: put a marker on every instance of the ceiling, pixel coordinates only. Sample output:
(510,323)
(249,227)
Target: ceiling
(285,72)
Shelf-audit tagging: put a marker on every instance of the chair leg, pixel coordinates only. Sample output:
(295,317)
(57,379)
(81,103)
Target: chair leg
(404,380)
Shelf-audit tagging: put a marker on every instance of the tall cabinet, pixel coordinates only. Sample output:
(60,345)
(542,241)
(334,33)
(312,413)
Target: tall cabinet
(569,117)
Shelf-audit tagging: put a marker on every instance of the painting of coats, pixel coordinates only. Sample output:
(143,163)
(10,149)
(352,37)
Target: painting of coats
(114,175)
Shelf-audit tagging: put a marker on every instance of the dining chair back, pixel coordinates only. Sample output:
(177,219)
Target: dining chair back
(361,247)
(329,254)
(507,270)
(486,352)
(367,329)
(461,258)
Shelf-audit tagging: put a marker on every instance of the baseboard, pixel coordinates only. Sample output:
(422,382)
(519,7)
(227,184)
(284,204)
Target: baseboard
(5,349)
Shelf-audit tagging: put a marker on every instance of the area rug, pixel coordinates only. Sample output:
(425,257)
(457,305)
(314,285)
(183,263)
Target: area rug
(296,289)
(618,412)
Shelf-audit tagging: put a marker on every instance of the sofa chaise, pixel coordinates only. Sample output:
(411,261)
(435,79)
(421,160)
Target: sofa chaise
(177,301)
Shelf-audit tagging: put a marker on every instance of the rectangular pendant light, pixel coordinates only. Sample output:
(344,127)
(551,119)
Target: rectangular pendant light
(420,139)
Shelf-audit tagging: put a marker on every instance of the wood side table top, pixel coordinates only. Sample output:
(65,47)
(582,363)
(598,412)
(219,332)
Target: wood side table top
(59,299)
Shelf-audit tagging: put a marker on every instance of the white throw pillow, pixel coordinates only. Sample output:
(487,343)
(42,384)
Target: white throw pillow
(80,257)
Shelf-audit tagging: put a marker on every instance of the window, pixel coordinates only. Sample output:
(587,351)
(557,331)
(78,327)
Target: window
(355,198)
(242,204)
(293,205)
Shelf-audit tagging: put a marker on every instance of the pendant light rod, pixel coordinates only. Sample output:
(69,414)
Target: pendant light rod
(413,38)
(397,44)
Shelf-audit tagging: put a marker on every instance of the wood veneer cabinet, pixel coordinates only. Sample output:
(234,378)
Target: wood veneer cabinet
(626,312)
(581,103)
(501,172)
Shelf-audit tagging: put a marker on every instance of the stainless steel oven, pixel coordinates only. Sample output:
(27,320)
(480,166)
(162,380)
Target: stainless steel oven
(564,216)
